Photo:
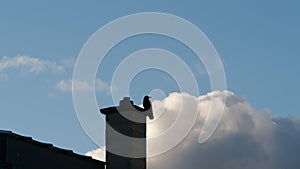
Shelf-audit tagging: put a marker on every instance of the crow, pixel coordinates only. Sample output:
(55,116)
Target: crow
(146,103)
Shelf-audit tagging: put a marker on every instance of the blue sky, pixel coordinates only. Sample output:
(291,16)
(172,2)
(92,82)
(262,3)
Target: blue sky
(258,43)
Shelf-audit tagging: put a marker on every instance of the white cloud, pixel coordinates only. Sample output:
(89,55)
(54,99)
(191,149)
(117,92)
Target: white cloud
(68,62)
(98,154)
(102,86)
(246,138)
(66,85)
(79,85)
(27,64)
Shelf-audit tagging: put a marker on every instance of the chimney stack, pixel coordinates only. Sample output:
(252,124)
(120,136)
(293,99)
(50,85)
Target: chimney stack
(128,120)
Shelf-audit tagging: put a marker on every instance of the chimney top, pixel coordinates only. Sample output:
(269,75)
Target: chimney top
(125,105)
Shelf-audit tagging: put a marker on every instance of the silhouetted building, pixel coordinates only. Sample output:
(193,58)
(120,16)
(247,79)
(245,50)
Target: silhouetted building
(129,120)
(19,152)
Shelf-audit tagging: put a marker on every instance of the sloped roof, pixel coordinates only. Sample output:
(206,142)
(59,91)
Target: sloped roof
(48,146)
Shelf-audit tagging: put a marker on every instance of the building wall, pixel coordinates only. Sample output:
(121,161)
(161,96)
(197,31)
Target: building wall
(27,155)
(131,129)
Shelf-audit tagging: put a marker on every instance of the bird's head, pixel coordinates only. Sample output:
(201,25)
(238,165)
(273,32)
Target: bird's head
(147,97)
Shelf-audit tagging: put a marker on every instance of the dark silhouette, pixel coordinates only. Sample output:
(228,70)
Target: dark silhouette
(22,152)
(134,129)
(148,107)
(147,103)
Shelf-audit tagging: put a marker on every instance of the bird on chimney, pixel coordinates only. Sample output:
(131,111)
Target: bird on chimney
(146,103)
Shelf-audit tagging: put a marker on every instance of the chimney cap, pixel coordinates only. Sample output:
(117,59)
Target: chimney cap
(126,105)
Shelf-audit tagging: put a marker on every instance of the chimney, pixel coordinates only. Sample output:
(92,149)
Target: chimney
(128,120)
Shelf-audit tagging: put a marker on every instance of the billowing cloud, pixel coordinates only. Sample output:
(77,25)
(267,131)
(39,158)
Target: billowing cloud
(246,138)
(79,85)
(98,154)
(27,64)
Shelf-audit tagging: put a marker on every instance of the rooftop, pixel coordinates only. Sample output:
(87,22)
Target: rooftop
(48,146)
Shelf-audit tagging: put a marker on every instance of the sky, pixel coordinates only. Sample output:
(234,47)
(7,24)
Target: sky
(40,41)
